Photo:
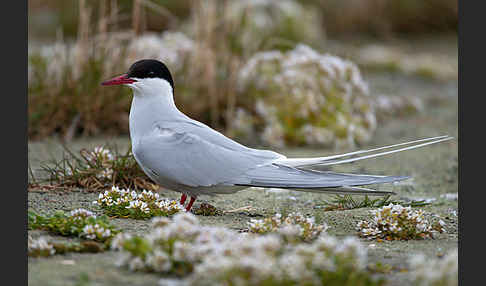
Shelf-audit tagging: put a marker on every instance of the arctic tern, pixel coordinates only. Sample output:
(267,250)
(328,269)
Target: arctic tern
(187,156)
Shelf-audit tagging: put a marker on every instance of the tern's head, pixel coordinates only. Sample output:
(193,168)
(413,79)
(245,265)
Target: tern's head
(145,77)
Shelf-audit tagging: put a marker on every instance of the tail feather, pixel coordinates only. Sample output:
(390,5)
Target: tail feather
(338,159)
(286,173)
(349,191)
(283,177)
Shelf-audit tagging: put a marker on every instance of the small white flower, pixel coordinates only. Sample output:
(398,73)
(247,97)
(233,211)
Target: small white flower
(39,245)
(81,214)
(136,263)
(434,271)
(119,240)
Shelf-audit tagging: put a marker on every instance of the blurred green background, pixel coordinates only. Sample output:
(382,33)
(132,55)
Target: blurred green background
(378,18)
(276,73)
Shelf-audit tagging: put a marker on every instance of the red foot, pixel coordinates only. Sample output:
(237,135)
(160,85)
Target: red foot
(189,206)
(183,199)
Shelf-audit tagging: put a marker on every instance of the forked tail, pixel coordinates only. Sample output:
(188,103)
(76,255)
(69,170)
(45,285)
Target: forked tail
(350,157)
(286,173)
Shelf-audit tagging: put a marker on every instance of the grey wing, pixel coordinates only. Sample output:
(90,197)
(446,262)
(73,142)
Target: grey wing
(190,126)
(194,160)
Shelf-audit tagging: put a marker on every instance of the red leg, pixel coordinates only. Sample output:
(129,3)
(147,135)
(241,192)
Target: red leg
(189,206)
(183,199)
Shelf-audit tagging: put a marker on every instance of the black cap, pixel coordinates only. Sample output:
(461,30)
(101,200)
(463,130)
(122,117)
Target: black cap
(148,68)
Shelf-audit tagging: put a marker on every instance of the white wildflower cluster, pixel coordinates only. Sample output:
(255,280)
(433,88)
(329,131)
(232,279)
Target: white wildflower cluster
(216,255)
(95,231)
(61,61)
(106,173)
(260,20)
(123,203)
(81,214)
(293,227)
(57,55)
(170,243)
(39,247)
(137,204)
(169,206)
(243,123)
(305,97)
(90,231)
(119,240)
(79,222)
(273,132)
(101,157)
(259,259)
(435,271)
(395,222)
(172,48)
(100,153)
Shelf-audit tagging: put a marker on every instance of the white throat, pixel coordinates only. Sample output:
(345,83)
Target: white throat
(148,88)
(153,102)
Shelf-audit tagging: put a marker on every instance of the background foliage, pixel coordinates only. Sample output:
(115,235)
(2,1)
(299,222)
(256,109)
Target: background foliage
(76,44)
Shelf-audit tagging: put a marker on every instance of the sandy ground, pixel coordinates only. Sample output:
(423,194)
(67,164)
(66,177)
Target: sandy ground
(434,170)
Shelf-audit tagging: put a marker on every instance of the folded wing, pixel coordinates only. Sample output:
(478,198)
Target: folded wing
(189,159)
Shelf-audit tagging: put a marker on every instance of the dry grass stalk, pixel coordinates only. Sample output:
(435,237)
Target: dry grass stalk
(204,13)
(231,95)
(83,29)
(138,18)
(114,14)
(103,19)
(94,170)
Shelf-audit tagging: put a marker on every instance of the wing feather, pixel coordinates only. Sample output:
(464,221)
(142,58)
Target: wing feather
(184,157)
